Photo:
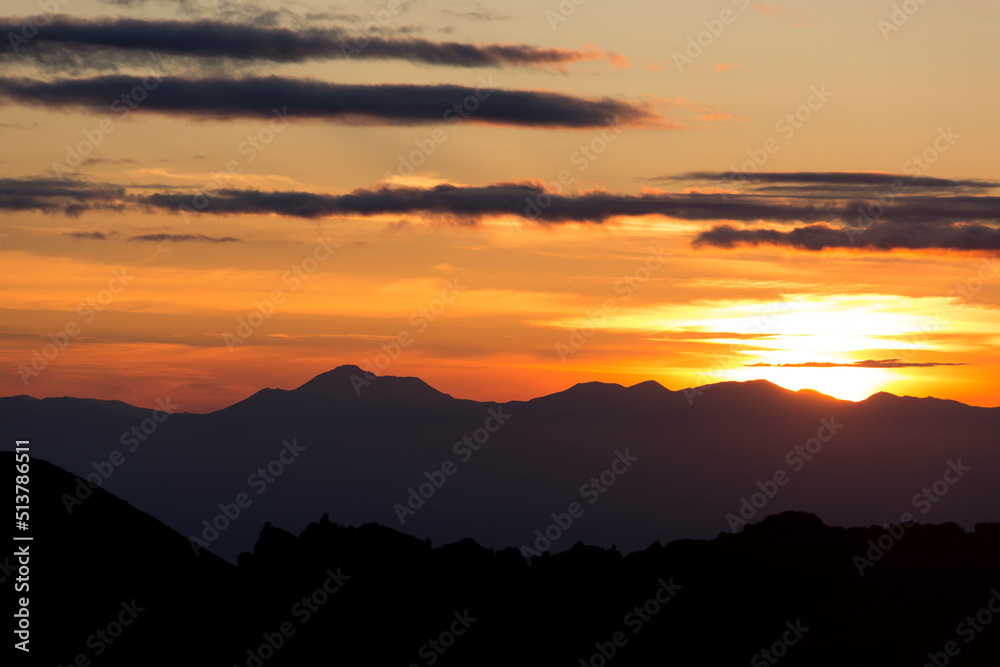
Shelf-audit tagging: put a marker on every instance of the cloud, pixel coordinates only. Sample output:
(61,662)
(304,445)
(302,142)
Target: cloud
(55,196)
(258,97)
(105,160)
(617,60)
(533,201)
(725,67)
(711,335)
(835,178)
(71,43)
(184,238)
(920,222)
(475,202)
(476,12)
(880,236)
(91,236)
(869,363)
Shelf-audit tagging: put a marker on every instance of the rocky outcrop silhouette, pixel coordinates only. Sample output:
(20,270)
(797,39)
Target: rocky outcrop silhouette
(788,585)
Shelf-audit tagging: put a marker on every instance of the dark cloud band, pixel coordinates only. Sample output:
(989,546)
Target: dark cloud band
(136,38)
(881,236)
(57,196)
(362,104)
(921,222)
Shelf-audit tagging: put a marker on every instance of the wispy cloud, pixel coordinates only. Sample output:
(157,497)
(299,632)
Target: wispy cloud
(475,12)
(184,238)
(89,236)
(867,179)
(869,363)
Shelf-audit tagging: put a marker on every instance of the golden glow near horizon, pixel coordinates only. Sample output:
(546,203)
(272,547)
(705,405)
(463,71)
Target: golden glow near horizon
(504,307)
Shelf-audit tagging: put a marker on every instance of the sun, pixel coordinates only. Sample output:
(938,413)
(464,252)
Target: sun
(848,384)
(836,332)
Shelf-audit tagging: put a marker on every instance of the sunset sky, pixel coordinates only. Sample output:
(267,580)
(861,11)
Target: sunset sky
(503,199)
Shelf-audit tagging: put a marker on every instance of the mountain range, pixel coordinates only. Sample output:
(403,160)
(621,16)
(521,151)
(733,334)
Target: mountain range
(604,464)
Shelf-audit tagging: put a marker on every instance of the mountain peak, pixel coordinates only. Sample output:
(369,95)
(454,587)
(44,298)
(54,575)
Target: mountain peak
(350,381)
(756,387)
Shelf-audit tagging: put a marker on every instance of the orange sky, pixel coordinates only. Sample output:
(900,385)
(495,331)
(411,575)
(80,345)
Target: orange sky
(501,306)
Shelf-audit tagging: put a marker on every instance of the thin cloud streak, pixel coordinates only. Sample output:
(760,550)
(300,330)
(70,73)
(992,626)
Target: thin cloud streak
(868,363)
(881,236)
(184,238)
(862,178)
(87,236)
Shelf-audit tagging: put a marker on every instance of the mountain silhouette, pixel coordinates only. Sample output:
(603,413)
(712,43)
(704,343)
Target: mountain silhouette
(396,451)
(788,585)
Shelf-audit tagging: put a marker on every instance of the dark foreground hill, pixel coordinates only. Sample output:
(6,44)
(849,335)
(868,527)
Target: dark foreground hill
(789,585)
(395,451)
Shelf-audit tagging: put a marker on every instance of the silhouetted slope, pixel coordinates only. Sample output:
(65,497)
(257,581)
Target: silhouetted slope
(372,595)
(86,569)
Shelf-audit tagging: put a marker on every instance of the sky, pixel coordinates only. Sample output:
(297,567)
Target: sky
(203,198)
